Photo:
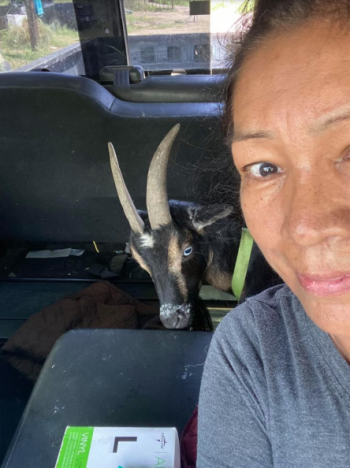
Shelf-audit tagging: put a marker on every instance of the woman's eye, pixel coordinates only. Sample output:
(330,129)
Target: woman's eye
(187,251)
(262,170)
(343,163)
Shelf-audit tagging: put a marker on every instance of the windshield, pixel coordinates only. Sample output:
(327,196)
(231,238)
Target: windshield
(80,38)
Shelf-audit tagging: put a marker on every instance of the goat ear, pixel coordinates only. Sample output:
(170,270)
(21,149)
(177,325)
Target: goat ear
(143,214)
(203,216)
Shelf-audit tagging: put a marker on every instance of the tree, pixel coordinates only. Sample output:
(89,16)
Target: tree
(32,24)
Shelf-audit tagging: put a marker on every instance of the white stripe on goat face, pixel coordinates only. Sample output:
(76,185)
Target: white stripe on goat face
(147,240)
(175,265)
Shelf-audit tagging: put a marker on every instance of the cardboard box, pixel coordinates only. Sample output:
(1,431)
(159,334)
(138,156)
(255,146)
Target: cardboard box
(119,447)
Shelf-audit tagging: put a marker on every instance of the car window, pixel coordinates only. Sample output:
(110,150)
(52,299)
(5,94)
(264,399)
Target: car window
(80,38)
(180,34)
(44,34)
(60,35)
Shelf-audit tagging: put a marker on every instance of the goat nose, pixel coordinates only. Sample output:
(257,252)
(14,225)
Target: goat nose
(175,317)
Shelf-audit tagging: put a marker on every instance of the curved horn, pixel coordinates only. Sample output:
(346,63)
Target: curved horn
(135,221)
(156,198)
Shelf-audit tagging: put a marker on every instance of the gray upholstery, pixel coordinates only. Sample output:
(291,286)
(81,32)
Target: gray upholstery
(109,378)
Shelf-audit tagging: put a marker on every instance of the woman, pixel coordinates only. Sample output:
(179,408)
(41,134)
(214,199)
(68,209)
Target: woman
(276,384)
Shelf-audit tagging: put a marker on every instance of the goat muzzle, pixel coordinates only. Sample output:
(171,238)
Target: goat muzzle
(176,316)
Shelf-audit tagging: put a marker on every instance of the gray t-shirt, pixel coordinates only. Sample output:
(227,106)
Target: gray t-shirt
(275,390)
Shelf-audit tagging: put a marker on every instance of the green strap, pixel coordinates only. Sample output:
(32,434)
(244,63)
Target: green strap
(242,262)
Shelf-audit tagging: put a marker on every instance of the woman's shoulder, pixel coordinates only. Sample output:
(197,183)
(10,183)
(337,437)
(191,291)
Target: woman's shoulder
(256,340)
(271,301)
(251,344)
(271,296)
(272,313)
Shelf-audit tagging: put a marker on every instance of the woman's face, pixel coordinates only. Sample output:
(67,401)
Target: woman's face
(291,146)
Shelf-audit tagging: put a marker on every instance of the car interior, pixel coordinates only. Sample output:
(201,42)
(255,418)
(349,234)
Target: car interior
(127,76)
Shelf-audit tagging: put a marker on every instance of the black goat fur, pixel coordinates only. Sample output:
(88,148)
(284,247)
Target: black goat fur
(214,235)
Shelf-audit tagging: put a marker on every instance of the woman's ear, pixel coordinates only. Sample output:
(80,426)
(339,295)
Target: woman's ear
(204,216)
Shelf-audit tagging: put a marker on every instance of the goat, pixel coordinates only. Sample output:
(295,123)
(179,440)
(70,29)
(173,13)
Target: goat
(180,244)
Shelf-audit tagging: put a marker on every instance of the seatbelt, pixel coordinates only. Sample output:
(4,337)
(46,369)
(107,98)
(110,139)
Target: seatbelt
(242,262)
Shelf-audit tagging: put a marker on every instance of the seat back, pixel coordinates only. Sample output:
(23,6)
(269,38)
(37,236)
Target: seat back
(139,378)
(55,179)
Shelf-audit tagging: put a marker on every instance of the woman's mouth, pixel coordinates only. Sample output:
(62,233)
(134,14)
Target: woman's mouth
(327,284)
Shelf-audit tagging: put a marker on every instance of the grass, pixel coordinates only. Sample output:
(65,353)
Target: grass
(245,8)
(218,6)
(145,5)
(151,8)
(150,26)
(15,43)
(148,22)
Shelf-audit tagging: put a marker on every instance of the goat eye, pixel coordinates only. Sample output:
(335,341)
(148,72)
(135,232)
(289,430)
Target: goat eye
(187,251)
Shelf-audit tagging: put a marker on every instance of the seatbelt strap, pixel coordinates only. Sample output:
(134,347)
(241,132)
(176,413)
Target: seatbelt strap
(242,262)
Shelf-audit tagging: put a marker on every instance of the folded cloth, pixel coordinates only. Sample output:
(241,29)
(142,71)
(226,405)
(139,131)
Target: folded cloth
(101,305)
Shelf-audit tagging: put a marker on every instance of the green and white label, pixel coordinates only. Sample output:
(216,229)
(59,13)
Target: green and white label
(119,447)
(75,447)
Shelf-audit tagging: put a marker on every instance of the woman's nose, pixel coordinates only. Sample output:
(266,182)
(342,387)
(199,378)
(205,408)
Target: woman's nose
(317,210)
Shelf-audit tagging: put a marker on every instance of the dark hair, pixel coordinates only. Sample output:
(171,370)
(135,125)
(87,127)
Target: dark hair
(268,16)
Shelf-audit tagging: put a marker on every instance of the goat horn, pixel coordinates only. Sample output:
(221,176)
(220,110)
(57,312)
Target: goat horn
(156,198)
(135,221)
